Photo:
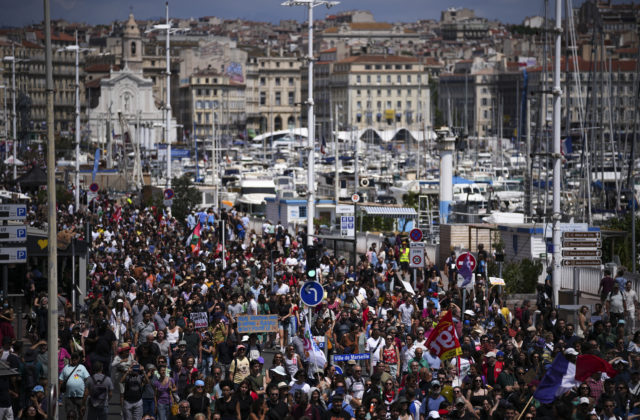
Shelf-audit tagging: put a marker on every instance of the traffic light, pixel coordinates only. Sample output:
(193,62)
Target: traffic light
(312,262)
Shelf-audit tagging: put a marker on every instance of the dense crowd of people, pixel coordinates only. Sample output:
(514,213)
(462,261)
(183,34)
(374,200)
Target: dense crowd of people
(158,330)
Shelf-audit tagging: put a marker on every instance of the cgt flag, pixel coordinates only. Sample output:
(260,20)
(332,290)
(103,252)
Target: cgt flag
(443,339)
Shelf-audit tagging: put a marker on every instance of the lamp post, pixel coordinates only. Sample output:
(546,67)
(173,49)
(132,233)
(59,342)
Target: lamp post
(13,60)
(310,4)
(167,27)
(4,119)
(77,50)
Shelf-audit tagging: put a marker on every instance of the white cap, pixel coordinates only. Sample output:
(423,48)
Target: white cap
(491,354)
(584,400)
(571,352)
(434,414)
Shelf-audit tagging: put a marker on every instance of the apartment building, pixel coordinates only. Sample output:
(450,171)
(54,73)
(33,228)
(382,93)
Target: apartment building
(215,102)
(30,76)
(382,92)
(274,97)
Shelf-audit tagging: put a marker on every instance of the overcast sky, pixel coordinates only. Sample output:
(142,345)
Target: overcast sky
(22,12)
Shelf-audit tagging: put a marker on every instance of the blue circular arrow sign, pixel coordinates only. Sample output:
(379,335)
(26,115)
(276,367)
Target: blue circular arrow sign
(311,293)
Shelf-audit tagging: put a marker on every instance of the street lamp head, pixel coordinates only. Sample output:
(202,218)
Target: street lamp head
(310,3)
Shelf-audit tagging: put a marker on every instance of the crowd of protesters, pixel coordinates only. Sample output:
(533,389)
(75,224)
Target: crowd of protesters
(135,338)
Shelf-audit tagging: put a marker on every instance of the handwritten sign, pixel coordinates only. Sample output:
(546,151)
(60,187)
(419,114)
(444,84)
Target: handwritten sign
(199,319)
(347,357)
(496,281)
(257,323)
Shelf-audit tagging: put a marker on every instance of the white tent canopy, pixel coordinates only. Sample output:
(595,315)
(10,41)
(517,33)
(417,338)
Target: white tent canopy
(9,161)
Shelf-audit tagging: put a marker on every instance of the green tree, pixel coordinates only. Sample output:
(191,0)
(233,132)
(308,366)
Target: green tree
(521,276)
(622,246)
(186,196)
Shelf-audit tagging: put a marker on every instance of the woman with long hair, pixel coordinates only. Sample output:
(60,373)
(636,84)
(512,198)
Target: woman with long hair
(478,392)
(163,387)
(391,355)
(174,333)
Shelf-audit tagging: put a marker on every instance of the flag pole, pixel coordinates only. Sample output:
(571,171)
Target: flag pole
(525,408)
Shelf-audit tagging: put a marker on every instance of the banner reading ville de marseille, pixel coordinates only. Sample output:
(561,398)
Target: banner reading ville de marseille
(443,339)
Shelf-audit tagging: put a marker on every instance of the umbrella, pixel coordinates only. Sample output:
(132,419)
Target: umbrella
(9,161)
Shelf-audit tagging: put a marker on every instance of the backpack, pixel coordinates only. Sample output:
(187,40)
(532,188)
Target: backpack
(99,391)
(133,389)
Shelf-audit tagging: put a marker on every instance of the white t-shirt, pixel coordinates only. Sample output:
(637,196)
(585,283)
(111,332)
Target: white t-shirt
(405,313)
(283,289)
(374,346)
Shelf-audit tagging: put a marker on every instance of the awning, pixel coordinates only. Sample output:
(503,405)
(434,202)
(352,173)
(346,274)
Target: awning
(390,211)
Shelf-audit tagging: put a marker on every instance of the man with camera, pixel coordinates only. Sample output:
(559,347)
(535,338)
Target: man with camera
(134,381)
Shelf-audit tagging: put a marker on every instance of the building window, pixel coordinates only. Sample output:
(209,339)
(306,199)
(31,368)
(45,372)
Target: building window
(263,81)
(291,98)
(368,79)
(388,104)
(302,211)
(379,92)
(367,66)
(358,118)
(291,79)
(358,79)
(359,104)
(388,78)
(388,92)
(408,78)
(484,101)
(399,79)
(358,92)
(408,67)
(277,98)
(378,105)
(277,81)
(378,78)
(263,98)
(399,92)
(133,48)
(399,104)
(378,66)
(408,104)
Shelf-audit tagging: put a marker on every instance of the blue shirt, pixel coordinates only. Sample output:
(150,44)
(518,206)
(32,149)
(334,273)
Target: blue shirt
(75,382)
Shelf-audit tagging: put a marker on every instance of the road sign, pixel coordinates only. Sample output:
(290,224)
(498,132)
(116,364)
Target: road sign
(581,235)
(13,255)
(17,233)
(347,357)
(416,257)
(13,211)
(167,203)
(593,253)
(311,293)
(415,235)
(581,244)
(345,209)
(355,198)
(338,371)
(347,226)
(168,194)
(94,187)
(462,257)
(582,263)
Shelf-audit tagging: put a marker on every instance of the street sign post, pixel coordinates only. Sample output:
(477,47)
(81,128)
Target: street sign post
(168,194)
(345,209)
(462,257)
(13,211)
(582,263)
(311,293)
(94,188)
(17,255)
(416,255)
(415,235)
(355,198)
(347,226)
(15,233)
(581,249)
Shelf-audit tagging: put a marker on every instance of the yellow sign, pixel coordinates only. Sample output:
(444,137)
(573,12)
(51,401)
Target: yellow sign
(389,114)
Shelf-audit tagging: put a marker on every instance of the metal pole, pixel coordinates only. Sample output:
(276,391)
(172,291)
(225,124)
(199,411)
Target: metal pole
(415,279)
(168,105)
(335,156)
(52,272)
(13,89)
(5,282)
(575,286)
(77,181)
(195,141)
(311,192)
(73,277)
(557,155)
(6,127)
(224,235)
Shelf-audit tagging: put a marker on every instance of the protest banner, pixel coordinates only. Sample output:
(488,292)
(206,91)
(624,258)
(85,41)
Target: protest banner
(199,319)
(257,323)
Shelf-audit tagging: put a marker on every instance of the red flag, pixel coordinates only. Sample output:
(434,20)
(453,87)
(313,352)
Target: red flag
(588,364)
(117,215)
(443,339)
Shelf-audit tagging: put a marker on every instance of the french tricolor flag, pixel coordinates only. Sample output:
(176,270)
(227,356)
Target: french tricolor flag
(563,375)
